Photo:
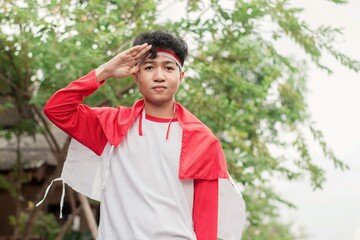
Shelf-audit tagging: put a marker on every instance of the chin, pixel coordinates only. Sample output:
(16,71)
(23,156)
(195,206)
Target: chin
(159,102)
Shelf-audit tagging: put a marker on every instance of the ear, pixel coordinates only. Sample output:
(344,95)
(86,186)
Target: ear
(182,74)
(135,77)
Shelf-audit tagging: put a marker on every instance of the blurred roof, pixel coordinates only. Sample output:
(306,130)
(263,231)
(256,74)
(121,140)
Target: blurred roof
(35,151)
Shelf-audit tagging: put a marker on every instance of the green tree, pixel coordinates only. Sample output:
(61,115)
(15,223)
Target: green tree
(237,82)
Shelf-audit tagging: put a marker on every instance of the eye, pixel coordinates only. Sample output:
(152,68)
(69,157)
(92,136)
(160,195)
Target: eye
(148,67)
(169,68)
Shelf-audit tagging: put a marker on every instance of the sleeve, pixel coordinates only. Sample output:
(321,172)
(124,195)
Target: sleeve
(65,110)
(205,209)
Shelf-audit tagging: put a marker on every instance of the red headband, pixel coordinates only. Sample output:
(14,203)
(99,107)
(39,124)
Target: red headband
(171,53)
(166,53)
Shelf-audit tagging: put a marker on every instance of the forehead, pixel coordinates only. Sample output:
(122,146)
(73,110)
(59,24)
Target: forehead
(158,59)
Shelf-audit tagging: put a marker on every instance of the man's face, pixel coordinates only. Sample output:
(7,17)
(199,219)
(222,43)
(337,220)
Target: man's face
(158,80)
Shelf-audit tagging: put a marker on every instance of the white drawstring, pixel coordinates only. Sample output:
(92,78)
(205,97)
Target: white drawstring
(169,124)
(62,195)
(62,199)
(142,123)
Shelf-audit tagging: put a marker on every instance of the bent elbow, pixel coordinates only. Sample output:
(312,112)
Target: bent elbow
(47,110)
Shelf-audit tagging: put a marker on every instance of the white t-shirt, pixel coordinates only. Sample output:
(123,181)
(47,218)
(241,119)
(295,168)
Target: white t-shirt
(143,197)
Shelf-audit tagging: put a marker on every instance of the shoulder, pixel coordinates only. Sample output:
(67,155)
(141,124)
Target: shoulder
(116,121)
(189,122)
(108,113)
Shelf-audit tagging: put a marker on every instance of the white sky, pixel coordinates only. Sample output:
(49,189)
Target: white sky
(334,212)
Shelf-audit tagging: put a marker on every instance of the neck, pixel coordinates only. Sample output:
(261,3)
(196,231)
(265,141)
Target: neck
(165,110)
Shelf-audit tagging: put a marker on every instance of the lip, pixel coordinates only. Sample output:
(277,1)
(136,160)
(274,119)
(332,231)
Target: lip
(159,87)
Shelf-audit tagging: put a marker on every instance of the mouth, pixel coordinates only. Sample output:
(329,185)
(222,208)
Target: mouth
(159,87)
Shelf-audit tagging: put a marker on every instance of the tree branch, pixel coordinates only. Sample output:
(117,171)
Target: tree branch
(56,146)
(88,214)
(121,92)
(66,225)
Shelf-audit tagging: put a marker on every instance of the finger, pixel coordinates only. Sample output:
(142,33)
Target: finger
(145,51)
(128,55)
(144,48)
(136,49)
(131,52)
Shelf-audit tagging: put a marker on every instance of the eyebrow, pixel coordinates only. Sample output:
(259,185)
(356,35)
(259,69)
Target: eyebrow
(153,61)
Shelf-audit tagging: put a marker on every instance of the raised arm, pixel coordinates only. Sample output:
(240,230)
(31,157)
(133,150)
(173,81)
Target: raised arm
(123,64)
(65,108)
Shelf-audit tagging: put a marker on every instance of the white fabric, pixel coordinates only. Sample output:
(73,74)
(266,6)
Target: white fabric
(84,171)
(107,163)
(143,197)
(232,215)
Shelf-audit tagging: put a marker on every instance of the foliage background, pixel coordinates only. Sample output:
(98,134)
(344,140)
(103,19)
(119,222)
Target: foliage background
(251,96)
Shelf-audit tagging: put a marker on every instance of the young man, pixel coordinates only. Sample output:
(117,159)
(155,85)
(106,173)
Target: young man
(158,171)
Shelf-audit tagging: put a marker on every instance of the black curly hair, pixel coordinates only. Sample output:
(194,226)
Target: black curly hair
(165,40)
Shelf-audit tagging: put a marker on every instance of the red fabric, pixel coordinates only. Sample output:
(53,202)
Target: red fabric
(201,157)
(197,161)
(205,210)
(65,110)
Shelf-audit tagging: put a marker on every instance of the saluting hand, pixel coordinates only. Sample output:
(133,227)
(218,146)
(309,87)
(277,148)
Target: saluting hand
(123,64)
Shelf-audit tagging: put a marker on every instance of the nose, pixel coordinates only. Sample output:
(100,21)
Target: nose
(159,75)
